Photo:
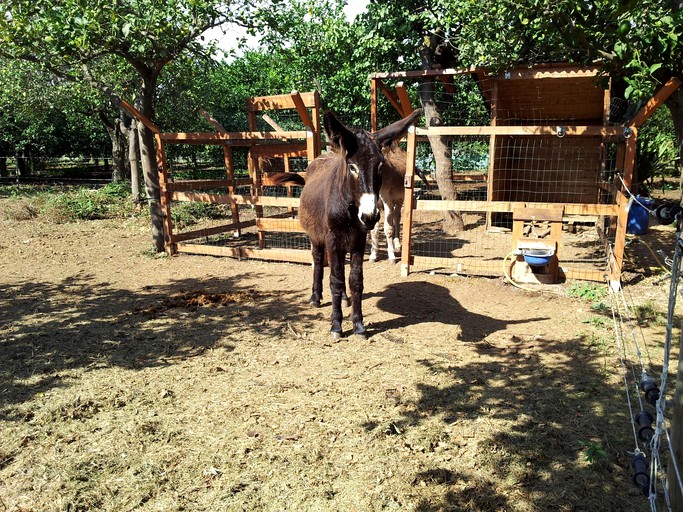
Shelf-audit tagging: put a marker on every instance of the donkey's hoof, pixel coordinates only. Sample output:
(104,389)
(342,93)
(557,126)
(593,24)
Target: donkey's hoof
(336,335)
(360,336)
(314,303)
(373,257)
(393,260)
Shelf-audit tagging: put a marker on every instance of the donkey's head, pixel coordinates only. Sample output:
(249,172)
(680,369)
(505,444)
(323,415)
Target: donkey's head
(362,151)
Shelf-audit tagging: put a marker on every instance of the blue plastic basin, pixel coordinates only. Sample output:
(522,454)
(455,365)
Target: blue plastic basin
(537,257)
(639,216)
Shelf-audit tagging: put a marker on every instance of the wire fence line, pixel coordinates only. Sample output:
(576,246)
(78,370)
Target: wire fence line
(655,467)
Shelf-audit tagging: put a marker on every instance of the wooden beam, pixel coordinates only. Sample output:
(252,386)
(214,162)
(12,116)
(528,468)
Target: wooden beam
(204,232)
(280,102)
(288,255)
(373,104)
(550,71)
(220,138)
(424,73)
(403,98)
(302,110)
(447,81)
(184,185)
(408,201)
(294,149)
(212,121)
(553,72)
(272,123)
(571,131)
(476,266)
(391,96)
(508,206)
(138,115)
(279,225)
(655,102)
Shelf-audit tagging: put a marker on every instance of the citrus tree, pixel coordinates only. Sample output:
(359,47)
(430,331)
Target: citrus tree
(72,38)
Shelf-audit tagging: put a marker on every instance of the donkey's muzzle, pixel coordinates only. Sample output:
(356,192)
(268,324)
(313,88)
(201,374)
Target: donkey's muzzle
(370,219)
(367,211)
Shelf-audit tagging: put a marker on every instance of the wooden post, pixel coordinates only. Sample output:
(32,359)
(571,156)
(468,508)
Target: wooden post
(404,99)
(676,428)
(373,104)
(254,174)
(162,168)
(229,171)
(655,102)
(492,152)
(622,219)
(408,202)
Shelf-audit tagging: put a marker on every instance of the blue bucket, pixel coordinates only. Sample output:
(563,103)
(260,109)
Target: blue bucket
(638,216)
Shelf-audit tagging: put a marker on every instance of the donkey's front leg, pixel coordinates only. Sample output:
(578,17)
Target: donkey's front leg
(335,258)
(356,286)
(318,252)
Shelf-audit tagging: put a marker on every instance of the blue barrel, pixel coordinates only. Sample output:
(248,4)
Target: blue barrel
(639,216)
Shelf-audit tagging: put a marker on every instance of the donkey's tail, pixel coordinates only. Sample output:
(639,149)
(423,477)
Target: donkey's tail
(286,177)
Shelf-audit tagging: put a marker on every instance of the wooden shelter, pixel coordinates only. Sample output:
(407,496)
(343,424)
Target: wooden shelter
(265,150)
(551,148)
(546,159)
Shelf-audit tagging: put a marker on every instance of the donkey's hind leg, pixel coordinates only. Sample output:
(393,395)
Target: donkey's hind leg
(397,225)
(390,231)
(318,252)
(374,234)
(374,241)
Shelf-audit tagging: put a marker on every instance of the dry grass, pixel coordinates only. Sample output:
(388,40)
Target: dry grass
(204,384)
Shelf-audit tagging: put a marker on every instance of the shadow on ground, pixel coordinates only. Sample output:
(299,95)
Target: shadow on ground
(47,329)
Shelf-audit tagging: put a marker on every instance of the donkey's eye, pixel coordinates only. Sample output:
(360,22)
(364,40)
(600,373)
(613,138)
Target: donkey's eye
(354,170)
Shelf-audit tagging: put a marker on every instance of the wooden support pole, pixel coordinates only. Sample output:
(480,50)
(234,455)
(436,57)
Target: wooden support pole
(447,82)
(302,111)
(403,98)
(139,116)
(162,168)
(622,219)
(373,104)
(230,174)
(655,102)
(212,121)
(229,171)
(272,123)
(490,196)
(391,96)
(408,202)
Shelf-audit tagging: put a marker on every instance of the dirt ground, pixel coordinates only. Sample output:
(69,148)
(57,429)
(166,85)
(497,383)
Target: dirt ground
(133,382)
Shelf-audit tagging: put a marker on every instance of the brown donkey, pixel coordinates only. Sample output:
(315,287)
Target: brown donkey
(339,206)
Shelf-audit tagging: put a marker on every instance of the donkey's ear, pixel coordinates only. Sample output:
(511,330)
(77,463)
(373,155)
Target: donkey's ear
(392,133)
(339,135)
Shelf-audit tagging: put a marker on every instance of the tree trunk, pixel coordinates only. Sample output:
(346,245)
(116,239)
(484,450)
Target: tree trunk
(117,148)
(148,160)
(133,155)
(22,167)
(453,221)
(3,166)
(675,105)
